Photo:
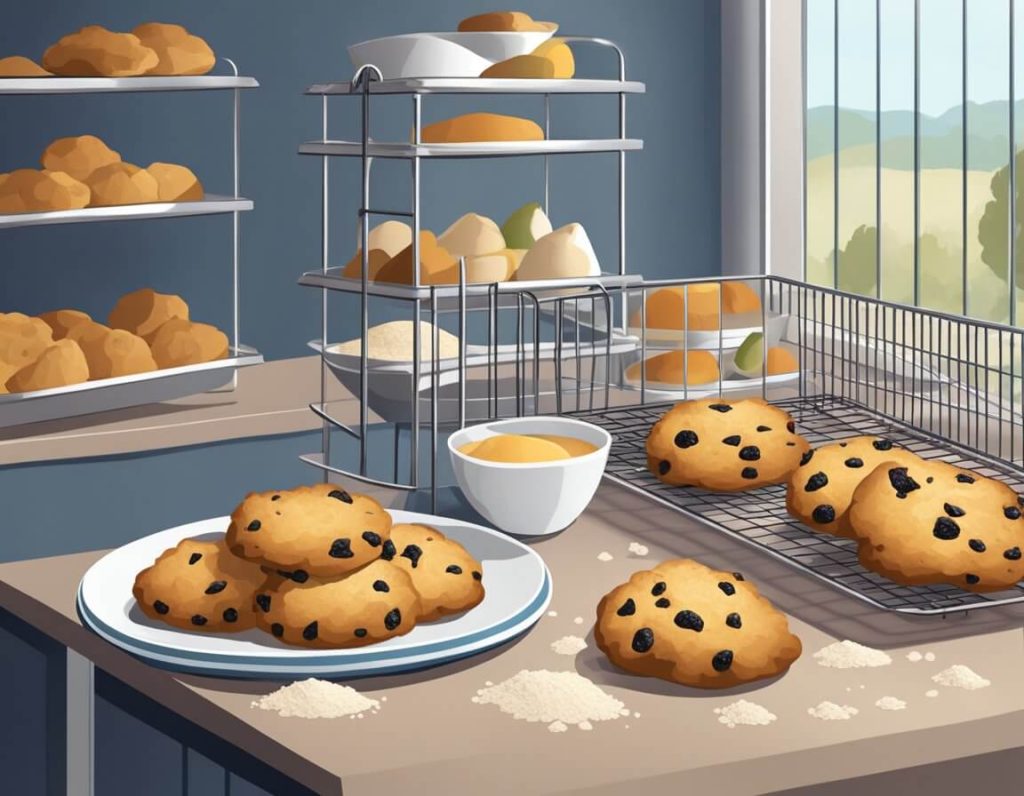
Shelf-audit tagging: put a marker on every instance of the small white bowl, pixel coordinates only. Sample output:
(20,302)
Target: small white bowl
(498,45)
(417,55)
(530,498)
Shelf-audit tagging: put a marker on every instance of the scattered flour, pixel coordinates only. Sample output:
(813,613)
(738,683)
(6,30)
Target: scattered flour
(568,645)
(850,655)
(578,620)
(929,656)
(960,676)
(552,613)
(558,726)
(891,703)
(554,698)
(744,712)
(914,656)
(931,693)
(637,549)
(604,555)
(830,711)
(317,699)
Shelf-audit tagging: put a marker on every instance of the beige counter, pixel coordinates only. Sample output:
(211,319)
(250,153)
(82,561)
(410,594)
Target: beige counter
(430,738)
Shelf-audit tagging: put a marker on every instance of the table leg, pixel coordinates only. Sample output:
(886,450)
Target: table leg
(80,722)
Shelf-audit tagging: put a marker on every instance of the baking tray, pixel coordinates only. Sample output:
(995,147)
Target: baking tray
(117,393)
(211,204)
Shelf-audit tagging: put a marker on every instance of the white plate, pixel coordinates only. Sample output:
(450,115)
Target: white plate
(417,55)
(518,590)
(657,390)
(735,330)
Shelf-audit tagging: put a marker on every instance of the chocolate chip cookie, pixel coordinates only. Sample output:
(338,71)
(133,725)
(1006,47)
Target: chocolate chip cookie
(200,586)
(369,605)
(818,493)
(320,530)
(931,522)
(449,580)
(690,624)
(725,446)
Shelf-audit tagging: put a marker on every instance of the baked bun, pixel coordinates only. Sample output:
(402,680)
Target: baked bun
(122,184)
(179,52)
(667,368)
(59,365)
(95,51)
(504,21)
(175,183)
(31,191)
(22,340)
(437,266)
(78,156)
(179,342)
(481,127)
(564,253)
(20,66)
(144,311)
(552,60)
(112,352)
(63,321)
(665,306)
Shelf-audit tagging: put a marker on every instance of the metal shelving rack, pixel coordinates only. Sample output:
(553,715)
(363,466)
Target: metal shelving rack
(169,383)
(461,298)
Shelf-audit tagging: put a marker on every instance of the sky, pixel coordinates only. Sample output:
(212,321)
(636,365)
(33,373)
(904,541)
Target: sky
(941,53)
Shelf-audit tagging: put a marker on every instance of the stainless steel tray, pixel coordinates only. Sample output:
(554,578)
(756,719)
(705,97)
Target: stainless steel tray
(474,149)
(209,205)
(103,85)
(482,85)
(106,394)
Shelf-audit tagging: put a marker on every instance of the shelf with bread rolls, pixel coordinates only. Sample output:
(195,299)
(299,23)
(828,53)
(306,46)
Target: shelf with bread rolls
(211,204)
(483,85)
(33,86)
(470,149)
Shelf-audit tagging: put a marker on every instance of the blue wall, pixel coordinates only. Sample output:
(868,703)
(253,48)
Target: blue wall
(673,186)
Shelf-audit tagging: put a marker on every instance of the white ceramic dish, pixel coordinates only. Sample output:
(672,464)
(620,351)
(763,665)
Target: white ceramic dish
(516,580)
(499,45)
(734,331)
(532,498)
(418,55)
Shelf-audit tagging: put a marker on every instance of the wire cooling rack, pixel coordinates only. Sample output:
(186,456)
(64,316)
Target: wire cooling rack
(759,517)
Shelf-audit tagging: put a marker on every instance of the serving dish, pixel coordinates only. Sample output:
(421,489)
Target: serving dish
(418,55)
(516,579)
(735,329)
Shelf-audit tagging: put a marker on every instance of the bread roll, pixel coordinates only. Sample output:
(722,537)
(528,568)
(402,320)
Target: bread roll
(143,311)
(498,267)
(386,240)
(122,184)
(472,234)
(504,20)
(740,297)
(553,59)
(378,258)
(22,340)
(62,321)
(564,253)
(179,342)
(31,191)
(59,365)
(95,51)
(20,66)
(78,156)
(112,352)
(781,360)
(437,266)
(179,52)
(481,127)
(175,183)
(667,368)
(665,307)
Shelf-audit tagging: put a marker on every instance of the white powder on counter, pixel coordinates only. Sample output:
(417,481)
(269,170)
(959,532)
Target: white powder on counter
(604,555)
(931,693)
(552,697)
(393,342)
(558,726)
(848,654)
(830,711)
(568,645)
(891,703)
(746,713)
(317,699)
(637,549)
(914,656)
(960,676)
(552,613)
(578,620)
(929,656)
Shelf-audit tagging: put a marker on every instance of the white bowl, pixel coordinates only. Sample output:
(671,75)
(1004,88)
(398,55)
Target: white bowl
(418,55)
(499,45)
(531,498)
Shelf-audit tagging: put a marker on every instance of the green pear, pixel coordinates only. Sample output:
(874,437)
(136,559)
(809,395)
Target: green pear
(525,226)
(750,355)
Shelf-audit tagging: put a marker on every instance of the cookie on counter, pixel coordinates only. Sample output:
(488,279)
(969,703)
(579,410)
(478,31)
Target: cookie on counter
(690,624)
(369,605)
(725,446)
(319,530)
(198,585)
(449,580)
(819,492)
(930,522)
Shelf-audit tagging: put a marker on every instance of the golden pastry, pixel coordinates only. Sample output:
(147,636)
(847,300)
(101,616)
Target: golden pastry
(63,321)
(112,352)
(179,342)
(78,156)
(31,191)
(175,183)
(143,311)
(180,52)
(20,66)
(95,51)
(60,365)
(122,184)
(472,127)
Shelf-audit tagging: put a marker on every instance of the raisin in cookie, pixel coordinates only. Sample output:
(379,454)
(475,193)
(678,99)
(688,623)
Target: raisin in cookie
(319,530)
(372,604)
(199,585)
(725,446)
(818,492)
(931,522)
(693,625)
(449,580)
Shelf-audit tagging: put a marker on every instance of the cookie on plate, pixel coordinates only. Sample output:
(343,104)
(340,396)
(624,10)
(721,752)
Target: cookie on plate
(199,585)
(690,624)
(819,492)
(930,522)
(449,580)
(319,530)
(372,604)
(725,446)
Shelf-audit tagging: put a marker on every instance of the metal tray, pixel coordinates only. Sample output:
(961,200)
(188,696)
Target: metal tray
(473,149)
(482,85)
(106,394)
(209,205)
(104,85)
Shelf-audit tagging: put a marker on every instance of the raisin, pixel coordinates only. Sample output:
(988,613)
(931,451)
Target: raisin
(413,553)
(628,608)
(824,514)
(341,548)
(199,620)
(371,538)
(230,615)
(662,602)
(1013,554)
(964,479)
(972,579)
(255,525)
(161,607)
(387,552)
(477,575)
(737,575)
(727,588)
(340,494)
(791,427)
(658,588)
(686,439)
(734,440)
(953,511)
(277,629)
(664,466)
(734,620)
(853,461)
(263,601)
(902,482)
(976,545)
(309,632)
(749,473)
(379,585)
(764,428)
(806,457)
(360,632)
(1011,513)
(723,408)
(751,453)
(816,482)
(216,586)
(722,661)
(945,529)
(882,445)
(276,497)
(194,558)
(643,640)
(688,620)
(298,575)
(453,569)
(393,619)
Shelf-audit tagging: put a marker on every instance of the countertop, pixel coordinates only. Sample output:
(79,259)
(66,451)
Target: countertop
(430,737)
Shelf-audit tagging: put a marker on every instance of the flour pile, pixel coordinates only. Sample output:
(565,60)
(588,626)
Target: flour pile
(830,711)
(568,645)
(317,699)
(744,712)
(850,655)
(960,676)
